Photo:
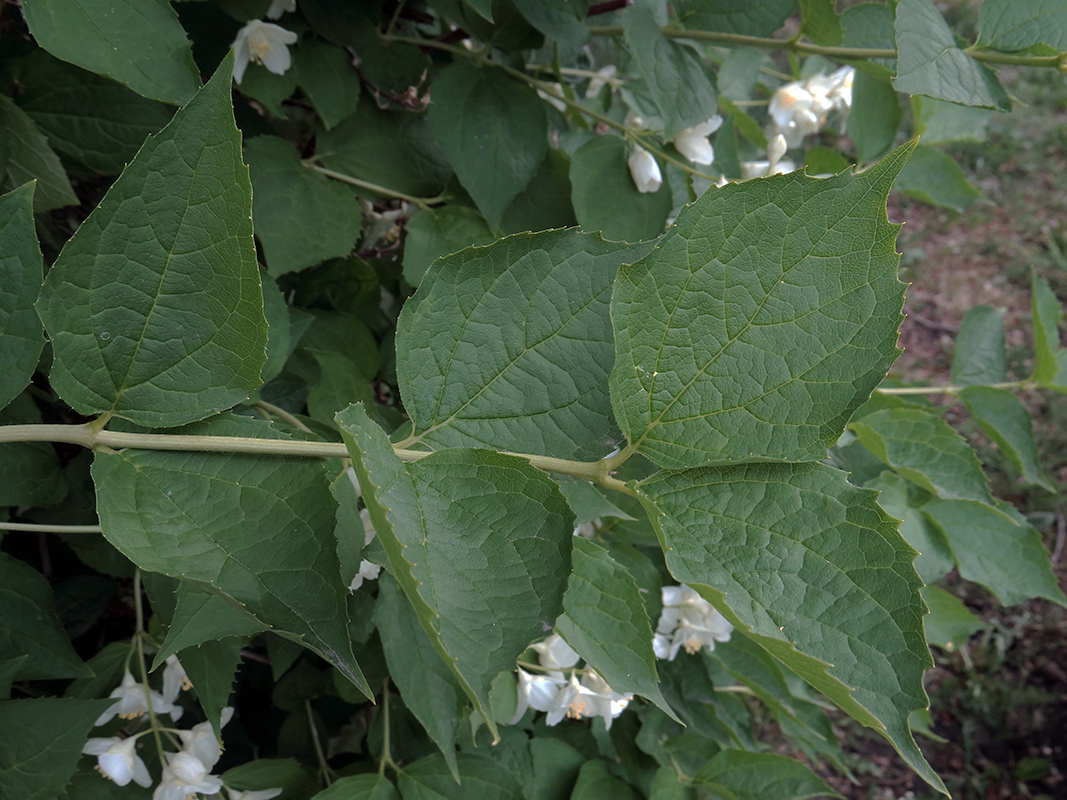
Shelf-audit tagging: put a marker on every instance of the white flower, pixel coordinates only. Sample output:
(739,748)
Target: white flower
(131,697)
(264,43)
(553,100)
(368,570)
(569,701)
(555,653)
(760,169)
(253,794)
(279,7)
(200,740)
(693,142)
(535,691)
(603,702)
(689,621)
(185,774)
(587,530)
(117,761)
(604,75)
(776,148)
(644,170)
(560,698)
(174,679)
(800,108)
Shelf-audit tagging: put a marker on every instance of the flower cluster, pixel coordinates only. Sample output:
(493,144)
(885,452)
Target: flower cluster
(689,621)
(264,43)
(559,696)
(185,772)
(801,108)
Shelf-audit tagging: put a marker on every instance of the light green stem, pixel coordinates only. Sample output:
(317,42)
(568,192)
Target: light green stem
(324,768)
(32,526)
(596,471)
(796,46)
(387,756)
(421,202)
(953,390)
(272,410)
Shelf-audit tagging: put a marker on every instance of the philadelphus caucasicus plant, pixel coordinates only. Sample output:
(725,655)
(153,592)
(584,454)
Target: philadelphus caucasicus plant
(318,318)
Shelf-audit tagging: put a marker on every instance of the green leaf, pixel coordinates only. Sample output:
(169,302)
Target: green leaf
(1012,25)
(41,741)
(203,616)
(979,356)
(735,16)
(265,773)
(92,119)
(258,531)
(802,721)
(555,769)
(481,777)
(396,150)
(509,346)
(341,383)
(874,118)
(595,782)
(269,89)
(932,177)
(870,25)
(546,201)
(279,339)
(140,44)
(763,543)
(1004,555)
(949,624)
(32,476)
(21,274)
(30,158)
(897,499)
(558,19)
(359,787)
(679,83)
(211,667)
(436,232)
(166,268)
(1046,314)
(930,63)
(479,541)
(926,450)
(588,502)
(667,786)
(824,161)
(939,122)
(340,333)
(328,79)
(428,687)
(29,625)
(483,7)
(604,620)
(494,131)
(755,776)
(738,75)
(300,216)
(605,197)
(821,23)
(1006,421)
(760,322)
(9,670)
